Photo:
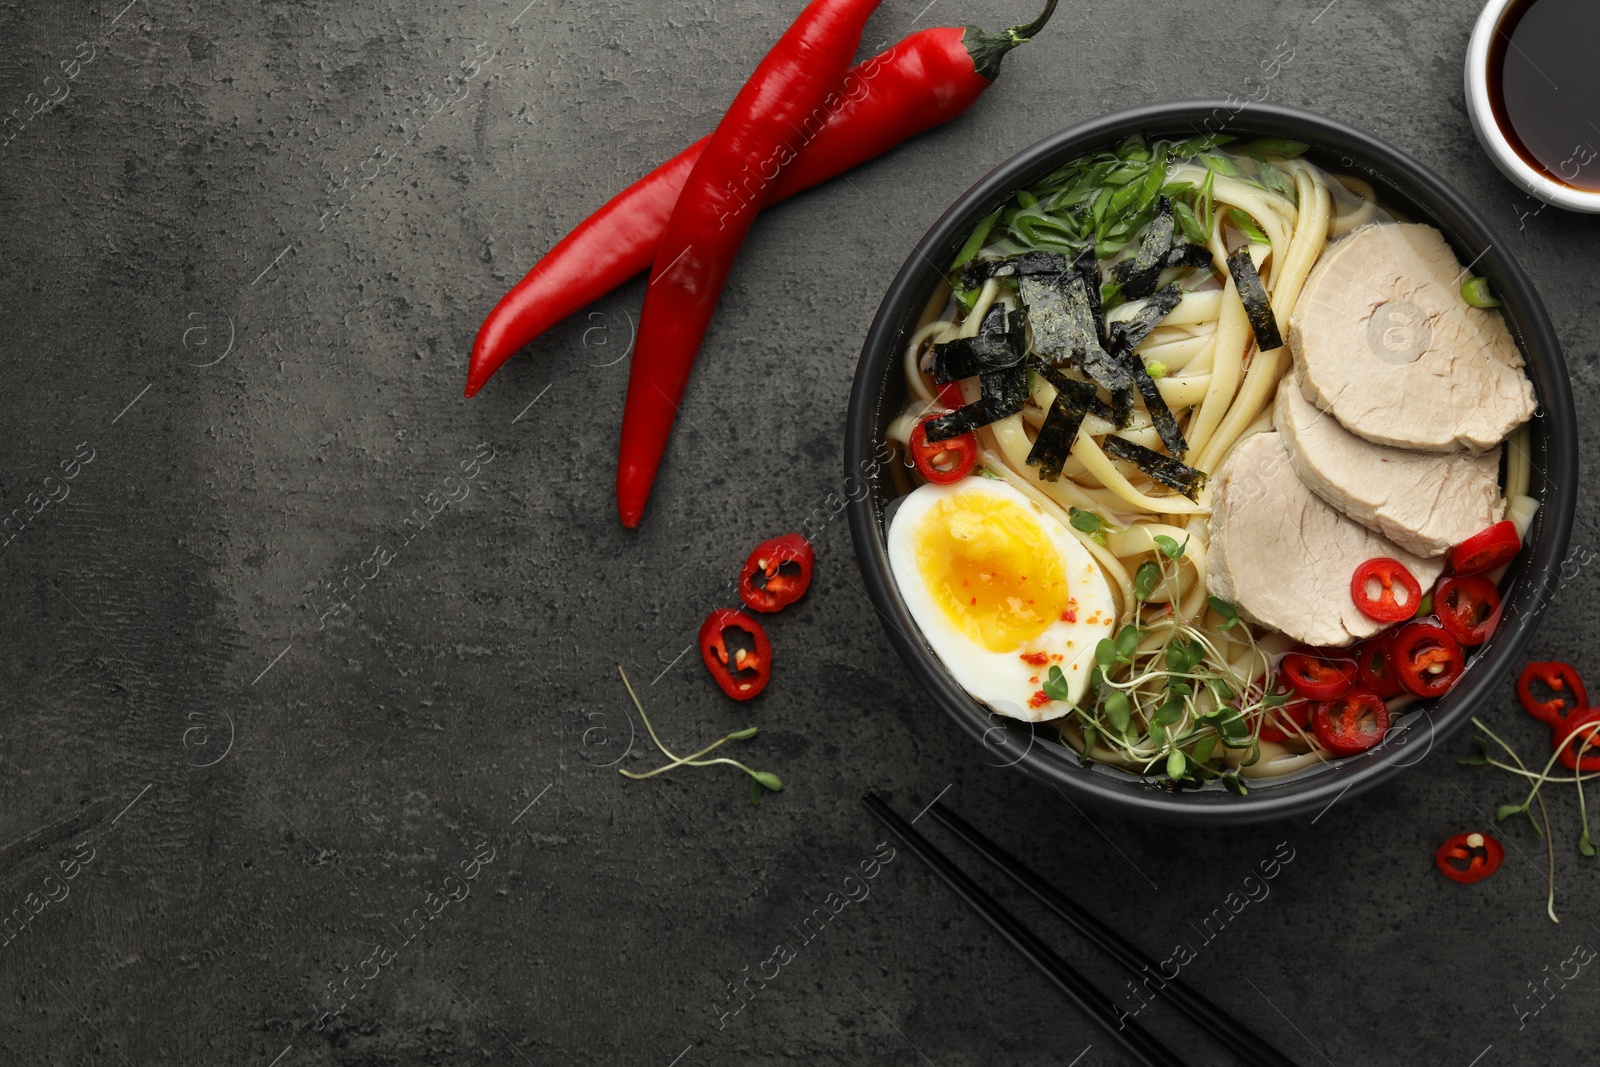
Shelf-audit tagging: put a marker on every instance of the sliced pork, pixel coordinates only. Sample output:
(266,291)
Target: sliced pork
(1425,502)
(1383,339)
(1284,557)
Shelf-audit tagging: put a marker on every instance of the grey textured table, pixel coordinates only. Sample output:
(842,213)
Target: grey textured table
(310,669)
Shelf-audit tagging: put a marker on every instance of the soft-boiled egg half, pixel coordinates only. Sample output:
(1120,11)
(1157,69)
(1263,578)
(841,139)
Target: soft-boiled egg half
(1002,591)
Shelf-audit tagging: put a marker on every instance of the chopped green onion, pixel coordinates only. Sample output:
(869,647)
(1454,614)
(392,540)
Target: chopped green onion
(1247,226)
(1476,292)
(1156,369)
(1188,222)
(1281,147)
(1195,145)
(1207,214)
(980,234)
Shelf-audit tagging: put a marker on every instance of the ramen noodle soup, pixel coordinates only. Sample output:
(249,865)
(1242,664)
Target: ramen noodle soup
(1211,463)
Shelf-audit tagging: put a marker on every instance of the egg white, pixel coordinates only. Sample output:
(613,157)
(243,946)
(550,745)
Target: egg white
(1003,680)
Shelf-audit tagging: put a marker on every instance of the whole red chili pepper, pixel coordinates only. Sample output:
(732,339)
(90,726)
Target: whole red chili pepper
(927,79)
(715,210)
(1468,858)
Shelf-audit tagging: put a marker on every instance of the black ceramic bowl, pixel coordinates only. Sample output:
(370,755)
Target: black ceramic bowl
(1402,184)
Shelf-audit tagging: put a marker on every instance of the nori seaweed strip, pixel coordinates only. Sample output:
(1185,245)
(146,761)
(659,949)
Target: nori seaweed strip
(1121,399)
(1110,373)
(1091,400)
(1088,268)
(1060,430)
(1262,321)
(1168,471)
(1062,317)
(979,271)
(1184,254)
(999,344)
(1004,393)
(1154,403)
(1137,276)
(1006,389)
(1159,306)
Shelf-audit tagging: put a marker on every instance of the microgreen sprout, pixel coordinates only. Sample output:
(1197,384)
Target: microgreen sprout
(1163,697)
(1090,523)
(759,780)
(1588,733)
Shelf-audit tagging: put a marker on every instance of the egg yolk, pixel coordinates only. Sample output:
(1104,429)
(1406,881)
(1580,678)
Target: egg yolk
(991,569)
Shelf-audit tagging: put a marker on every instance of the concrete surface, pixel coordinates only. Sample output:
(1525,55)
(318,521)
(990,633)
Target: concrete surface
(243,263)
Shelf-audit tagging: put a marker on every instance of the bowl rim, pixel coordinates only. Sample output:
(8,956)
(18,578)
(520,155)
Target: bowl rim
(1480,110)
(1534,575)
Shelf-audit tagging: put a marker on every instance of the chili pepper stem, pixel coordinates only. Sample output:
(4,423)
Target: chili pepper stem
(1029,30)
(988,48)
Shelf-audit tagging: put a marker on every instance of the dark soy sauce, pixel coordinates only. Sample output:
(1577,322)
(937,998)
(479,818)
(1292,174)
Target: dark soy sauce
(1544,86)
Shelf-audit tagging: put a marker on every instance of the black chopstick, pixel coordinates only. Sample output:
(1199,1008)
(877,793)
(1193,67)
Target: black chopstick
(1234,1035)
(1144,1048)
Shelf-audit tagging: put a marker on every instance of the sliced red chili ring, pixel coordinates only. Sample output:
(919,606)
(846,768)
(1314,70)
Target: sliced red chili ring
(1468,858)
(1375,585)
(1427,660)
(1352,723)
(1276,725)
(1576,737)
(942,462)
(777,573)
(1468,607)
(1316,675)
(736,652)
(1486,550)
(1375,665)
(1559,678)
